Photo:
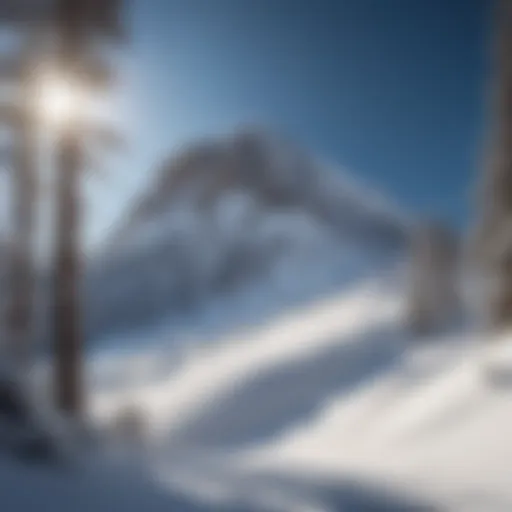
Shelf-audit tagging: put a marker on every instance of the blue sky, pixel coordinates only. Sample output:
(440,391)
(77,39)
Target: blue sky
(391,90)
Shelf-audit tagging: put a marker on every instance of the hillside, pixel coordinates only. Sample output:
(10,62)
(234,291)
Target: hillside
(247,218)
(321,409)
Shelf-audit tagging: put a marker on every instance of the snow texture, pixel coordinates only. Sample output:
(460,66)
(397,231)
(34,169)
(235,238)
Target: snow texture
(329,408)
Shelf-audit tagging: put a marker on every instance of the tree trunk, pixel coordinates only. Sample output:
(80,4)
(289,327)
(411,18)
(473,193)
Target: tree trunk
(493,240)
(433,299)
(21,290)
(68,342)
(19,312)
(68,335)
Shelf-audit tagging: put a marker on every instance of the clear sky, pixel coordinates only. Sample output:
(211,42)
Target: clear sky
(391,90)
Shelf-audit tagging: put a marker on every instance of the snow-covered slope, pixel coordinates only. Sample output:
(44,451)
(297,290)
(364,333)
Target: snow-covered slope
(102,489)
(245,215)
(332,406)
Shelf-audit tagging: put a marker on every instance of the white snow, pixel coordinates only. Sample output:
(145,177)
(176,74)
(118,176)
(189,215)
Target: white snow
(330,408)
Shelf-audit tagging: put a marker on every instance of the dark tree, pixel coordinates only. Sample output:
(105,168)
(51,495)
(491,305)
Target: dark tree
(491,249)
(78,23)
(433,294)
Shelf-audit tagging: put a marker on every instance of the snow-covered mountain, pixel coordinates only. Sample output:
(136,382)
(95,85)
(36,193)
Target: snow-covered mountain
(249,217)
(276,175)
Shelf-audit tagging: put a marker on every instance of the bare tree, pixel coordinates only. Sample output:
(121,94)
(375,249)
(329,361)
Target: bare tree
(491,248)
(78,26)
(18,114)
(78,22)
(433,295)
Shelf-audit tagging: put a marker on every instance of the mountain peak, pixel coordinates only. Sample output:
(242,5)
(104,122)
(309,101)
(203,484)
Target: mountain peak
(276,173)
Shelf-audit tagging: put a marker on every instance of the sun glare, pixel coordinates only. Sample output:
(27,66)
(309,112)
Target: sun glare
(60,101)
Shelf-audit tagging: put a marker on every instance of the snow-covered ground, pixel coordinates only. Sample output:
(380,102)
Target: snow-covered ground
(330,408)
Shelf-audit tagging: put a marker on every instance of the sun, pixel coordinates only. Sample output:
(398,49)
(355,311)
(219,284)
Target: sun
(59,101)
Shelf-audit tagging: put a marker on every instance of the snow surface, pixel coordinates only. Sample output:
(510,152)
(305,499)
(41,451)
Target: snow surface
(331,408)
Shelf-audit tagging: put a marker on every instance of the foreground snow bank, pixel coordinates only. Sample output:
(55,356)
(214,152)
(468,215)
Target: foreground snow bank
(171,397)
(301,415)
(331,391)
(33,489)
